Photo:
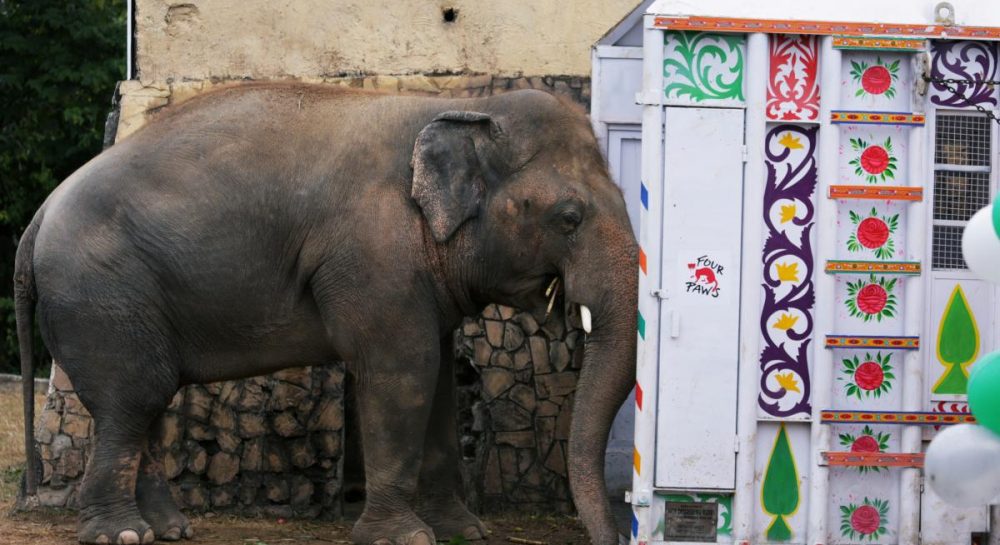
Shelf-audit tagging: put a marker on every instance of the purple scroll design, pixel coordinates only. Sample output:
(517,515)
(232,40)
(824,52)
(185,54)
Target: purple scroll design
(796,183)
(963,60)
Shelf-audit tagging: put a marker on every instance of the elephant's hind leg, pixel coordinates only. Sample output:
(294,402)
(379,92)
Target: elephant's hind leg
(125,390)
(156,505)
(440,498)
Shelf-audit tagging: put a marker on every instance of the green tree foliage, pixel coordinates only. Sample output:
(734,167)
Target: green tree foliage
(59,61)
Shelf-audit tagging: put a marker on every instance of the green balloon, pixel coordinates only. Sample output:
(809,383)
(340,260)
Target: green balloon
(984,391)
(996,215)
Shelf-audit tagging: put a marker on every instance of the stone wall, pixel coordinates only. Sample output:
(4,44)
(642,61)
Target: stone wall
(265,445)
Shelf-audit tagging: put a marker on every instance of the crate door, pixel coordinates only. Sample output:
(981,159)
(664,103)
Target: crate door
(699,336)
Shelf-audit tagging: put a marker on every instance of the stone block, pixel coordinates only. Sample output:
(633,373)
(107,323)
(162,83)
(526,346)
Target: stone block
(481,352)
(519,439)
(250,425)
(513,336)
(564,421)
(285,395)
(252,397)
(170,430)
(470,328)
(556,460)
(228,441)
(386,83)
(546,407)
(275,457)
(59,380)
(223,417)
(555,384)
(492,476)
(328,416)
(501,358)
(174,461)
(522,358)
(299,376)
(327,444)
(275,488)
(523,396)
(495,382)
(222,496)
(197,403)
(494,333)
(559,356)
(76,425)
(286,425)
(540,354)
(60,443)
(418,83)
(300,491)
(253,455)
(70,464)
(223,467)
(194,497)
(249,487)
(200,432)
(48,427)
(301,453)
(491,312)
(197,458)
(508,416)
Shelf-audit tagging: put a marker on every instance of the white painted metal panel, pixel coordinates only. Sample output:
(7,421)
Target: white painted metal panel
(625,163)
(621,79)
(699,331)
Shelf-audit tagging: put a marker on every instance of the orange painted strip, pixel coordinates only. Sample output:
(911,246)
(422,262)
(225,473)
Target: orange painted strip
(880,193)
(788,26)
(636,461)
(642,261)
(878,459)
(890,44)
(864,267)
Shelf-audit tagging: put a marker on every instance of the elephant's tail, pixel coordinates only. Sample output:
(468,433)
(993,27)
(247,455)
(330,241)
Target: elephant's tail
(24,313)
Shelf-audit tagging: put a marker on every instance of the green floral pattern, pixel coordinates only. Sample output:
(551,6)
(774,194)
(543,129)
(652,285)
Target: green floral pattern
(703,66)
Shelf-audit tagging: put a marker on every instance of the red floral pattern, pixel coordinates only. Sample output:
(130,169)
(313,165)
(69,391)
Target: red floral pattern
(876,79)
(872,299)
(793,84)
(865,520)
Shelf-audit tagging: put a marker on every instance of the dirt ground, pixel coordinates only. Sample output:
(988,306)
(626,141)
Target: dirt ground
(57,527)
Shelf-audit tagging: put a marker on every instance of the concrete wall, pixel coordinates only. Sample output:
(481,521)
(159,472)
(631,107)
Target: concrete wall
(265,39)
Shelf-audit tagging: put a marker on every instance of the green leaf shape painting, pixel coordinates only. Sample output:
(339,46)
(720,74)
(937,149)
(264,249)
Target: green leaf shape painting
(704,66)
(957,344)
(780,490)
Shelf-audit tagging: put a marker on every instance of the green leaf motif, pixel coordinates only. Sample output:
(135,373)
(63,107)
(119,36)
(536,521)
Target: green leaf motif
(704,66)
(780,490)
(957,344)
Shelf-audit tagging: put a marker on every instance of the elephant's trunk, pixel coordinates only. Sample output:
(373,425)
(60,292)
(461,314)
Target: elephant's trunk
(607,377)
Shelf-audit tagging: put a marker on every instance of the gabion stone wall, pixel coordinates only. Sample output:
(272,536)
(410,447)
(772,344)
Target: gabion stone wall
(265,445)
(518,408)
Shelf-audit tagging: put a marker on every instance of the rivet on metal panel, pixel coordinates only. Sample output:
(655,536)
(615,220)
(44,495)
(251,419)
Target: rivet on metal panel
(642,498)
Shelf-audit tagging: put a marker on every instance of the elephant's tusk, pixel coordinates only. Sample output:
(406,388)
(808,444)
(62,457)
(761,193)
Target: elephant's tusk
(552,285)
(553,290)
(585,318)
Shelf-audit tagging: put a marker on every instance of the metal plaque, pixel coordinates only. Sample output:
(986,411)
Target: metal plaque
(689,521)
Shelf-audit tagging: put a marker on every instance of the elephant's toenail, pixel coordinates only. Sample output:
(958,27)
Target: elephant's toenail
(148,536)
(473,533)
(382,542)
(128,537)
(102,539)
(188,532)
(420,538)
(172,534)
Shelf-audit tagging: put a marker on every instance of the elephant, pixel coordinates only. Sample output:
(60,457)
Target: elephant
(265,225)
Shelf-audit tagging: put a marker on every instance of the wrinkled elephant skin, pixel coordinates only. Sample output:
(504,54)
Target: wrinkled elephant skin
(262,226)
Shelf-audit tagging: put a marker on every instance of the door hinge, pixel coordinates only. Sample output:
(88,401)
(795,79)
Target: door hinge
(745,153)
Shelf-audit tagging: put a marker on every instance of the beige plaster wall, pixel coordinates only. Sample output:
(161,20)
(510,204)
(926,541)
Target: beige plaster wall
(181,40)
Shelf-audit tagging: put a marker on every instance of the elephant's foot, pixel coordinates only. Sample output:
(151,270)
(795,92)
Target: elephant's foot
(450,518)
(168,523)
(400,530)
(113,526)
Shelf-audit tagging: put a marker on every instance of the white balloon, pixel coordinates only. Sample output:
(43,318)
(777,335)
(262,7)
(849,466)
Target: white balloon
(981,246)
(963,465)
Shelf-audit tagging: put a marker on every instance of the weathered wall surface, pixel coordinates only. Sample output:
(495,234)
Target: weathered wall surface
(266,39)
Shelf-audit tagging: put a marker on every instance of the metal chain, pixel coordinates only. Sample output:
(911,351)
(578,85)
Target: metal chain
(946,83)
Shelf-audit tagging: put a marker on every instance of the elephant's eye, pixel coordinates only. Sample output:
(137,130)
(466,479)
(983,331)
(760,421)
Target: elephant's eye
(570,219)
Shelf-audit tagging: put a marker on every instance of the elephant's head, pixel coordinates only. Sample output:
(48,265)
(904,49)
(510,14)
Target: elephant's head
(517,194)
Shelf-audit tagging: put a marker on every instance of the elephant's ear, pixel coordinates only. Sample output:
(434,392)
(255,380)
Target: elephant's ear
(451,168)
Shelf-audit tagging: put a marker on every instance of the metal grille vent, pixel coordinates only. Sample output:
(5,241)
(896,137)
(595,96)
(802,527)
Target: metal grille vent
(961,182)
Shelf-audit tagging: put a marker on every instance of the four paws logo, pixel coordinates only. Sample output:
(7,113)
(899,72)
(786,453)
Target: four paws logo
(705,275)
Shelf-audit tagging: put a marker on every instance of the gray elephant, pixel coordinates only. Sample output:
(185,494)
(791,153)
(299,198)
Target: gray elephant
(262,226)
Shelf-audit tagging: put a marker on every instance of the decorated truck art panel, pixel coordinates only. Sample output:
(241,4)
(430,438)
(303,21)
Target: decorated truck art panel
(807,322)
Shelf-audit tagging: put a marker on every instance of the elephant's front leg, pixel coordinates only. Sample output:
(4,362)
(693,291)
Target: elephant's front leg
(440,499)
(395,392)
